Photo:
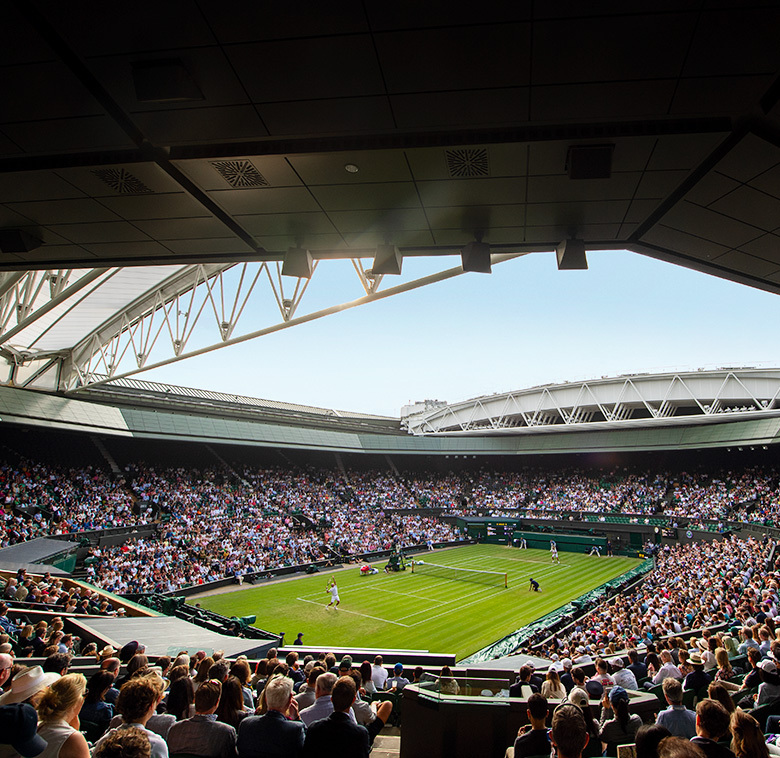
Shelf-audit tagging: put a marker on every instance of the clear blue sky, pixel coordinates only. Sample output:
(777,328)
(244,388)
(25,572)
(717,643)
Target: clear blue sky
(525,324)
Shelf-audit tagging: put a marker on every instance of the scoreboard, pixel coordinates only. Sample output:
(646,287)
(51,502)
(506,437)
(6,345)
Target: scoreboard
(500,531)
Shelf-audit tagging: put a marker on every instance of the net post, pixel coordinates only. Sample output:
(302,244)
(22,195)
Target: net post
(506,583)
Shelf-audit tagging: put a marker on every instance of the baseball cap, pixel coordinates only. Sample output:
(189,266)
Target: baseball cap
(618,693)
(18,727)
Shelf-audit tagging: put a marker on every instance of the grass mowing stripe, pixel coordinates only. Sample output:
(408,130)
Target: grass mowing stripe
(408,610)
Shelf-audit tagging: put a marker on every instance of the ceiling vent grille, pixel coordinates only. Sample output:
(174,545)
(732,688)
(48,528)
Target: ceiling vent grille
(468,162)
(239,174)
(121,181)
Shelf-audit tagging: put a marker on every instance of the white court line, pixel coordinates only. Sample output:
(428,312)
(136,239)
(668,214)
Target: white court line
(354,613)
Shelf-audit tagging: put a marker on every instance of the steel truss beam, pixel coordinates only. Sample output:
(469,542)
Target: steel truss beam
(168,323)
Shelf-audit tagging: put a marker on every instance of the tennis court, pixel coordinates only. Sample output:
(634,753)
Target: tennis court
(422,611)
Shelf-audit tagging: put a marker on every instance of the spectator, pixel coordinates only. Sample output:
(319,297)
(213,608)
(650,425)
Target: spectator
(27,686)
(323,706)
(618,726)
(337,736)
(137,703)
(716,691)
(712,724)
(95,708)
(58,715)
(622,675)
(552,687)
(379,672)
(677,719)
(307,694)
(747,738)
(125,743)
(533,738)
(568,735)
(231,705)
(180,702)
(648,737)
(272,735)
(397,681)
(698,678)
(667,669)
(202,734)
(19,730)
(676,747)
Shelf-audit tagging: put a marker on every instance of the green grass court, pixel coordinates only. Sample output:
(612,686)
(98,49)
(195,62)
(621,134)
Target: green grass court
(416,611)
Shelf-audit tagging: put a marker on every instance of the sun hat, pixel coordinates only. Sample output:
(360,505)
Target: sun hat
(26,683)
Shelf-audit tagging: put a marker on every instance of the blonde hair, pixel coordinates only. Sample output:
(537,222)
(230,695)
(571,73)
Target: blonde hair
(61,696)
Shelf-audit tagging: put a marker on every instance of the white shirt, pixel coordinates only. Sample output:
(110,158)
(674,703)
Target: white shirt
(378,676)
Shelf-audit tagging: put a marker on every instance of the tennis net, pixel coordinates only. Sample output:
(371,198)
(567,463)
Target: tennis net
(492,578)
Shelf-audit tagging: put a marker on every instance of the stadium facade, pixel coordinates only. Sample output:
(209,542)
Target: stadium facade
(697,410)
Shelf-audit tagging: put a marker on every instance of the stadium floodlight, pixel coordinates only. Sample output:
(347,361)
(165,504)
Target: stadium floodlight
(387,260)
(297,262)
(571,255)
(475,257)
(492,578)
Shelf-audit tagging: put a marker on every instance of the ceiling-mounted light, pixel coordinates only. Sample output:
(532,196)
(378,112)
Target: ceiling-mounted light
(17,241)
(571,255)
(475,257)
(387,260)
(351,168)
(297,262)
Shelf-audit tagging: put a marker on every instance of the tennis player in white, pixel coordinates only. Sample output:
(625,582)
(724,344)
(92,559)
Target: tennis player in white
(334,593)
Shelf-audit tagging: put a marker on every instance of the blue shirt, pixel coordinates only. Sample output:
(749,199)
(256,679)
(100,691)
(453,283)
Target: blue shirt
(679,721)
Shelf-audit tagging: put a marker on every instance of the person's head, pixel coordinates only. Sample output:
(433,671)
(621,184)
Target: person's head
(537,710)
(672,690)
(647,739)
(124,743)
(232,699)
(717,691)
(418,672)
(325,684)
(98,685)
(292,659)
(677,747)
(398,669)
(754,656)
(138,661)
(633,656)
(712,719)
(203,669)
(63,699)
(111,664)
(578,675)
(579,697)
(315,672)
(722,658)
(57,663)
(365,671)
(569,733)
(601,666)
(207,696)
(137,700)
(378,660)
(240,669)
(181,695)
(18,728)
(524,673)
(343,695)
(278,693)
(747,633)
(747,737)
(6,664)
(219,671)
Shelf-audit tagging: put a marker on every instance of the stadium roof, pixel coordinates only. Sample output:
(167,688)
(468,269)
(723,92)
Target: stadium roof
(200,143)
(623,402)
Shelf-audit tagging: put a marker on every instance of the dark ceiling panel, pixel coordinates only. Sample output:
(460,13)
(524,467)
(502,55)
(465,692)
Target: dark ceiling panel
(609,49)
(337,115)
(239,21)
(405,14)
(307,69)
(137,27)
(455,58)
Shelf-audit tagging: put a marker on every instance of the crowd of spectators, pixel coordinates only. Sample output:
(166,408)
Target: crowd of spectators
(203,705)
(694,585)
